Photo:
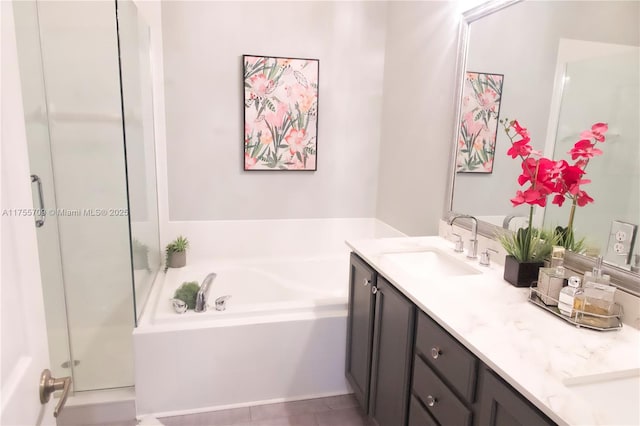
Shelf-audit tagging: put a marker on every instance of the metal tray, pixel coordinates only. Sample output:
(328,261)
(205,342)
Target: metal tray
(582,319)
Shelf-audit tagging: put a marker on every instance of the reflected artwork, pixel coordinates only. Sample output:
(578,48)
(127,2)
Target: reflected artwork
(481,96)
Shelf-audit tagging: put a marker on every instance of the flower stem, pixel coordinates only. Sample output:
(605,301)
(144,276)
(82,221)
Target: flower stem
(571,216)
(528,253)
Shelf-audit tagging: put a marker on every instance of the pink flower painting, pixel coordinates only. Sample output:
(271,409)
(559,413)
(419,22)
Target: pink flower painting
(280,113)
(482,94)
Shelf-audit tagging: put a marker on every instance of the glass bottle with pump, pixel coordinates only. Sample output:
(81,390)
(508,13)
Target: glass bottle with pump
(568,297)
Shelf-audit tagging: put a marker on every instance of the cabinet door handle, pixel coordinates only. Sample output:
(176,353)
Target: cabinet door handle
(435,352)
(431,400)
(367,281)
(374,289)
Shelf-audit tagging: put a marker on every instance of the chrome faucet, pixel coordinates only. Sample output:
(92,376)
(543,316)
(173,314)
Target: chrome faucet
(203,293)
(221,302)
(507,220)
(472,251)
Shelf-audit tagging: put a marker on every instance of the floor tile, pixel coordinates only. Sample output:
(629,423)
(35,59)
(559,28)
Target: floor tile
(342,417)
(297,420)
(131,422)
(341,401)
(287,409)
(212,418)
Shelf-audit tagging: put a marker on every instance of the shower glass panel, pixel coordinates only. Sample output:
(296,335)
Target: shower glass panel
(137,97)
(98,181)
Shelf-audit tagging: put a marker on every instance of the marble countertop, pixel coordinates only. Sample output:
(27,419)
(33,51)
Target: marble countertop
(537,353)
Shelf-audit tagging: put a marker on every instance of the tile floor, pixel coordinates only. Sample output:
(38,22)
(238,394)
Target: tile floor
(342,410)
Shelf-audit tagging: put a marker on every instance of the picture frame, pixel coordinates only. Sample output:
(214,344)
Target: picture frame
(280,113)
(478,127)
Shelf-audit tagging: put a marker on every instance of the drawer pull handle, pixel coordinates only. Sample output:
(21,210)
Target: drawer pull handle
(435,352)
(431,401)
(367,282)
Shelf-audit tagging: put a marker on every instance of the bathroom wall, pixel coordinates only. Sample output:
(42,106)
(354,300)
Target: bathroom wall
(418,114)
(203,44)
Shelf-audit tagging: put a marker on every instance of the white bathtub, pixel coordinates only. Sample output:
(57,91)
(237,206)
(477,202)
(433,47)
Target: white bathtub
(259,287)
(282,336)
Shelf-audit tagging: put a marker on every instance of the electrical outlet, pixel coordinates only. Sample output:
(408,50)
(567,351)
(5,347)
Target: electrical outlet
(621,240)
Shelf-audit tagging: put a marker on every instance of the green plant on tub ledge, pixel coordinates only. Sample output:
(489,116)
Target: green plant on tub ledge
(185,296)
(176,253)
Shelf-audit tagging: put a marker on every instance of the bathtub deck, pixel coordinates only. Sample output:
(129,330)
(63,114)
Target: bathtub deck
(340,410)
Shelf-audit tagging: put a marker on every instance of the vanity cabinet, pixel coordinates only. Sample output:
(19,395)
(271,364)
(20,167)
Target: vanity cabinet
(501,405)
(444,376)
(380,328)
(360,319)
(405,369)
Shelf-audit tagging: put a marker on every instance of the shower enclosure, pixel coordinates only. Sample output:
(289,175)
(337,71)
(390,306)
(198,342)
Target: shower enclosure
(86,83)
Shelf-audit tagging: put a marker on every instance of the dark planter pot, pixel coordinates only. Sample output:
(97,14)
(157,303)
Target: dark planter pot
(521,274)
(177,259)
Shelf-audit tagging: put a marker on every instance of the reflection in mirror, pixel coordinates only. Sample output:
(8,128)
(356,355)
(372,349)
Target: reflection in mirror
(527,43)
(601,84)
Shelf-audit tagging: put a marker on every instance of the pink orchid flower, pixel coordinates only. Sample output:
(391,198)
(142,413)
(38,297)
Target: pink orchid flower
(597,132)
(584,148)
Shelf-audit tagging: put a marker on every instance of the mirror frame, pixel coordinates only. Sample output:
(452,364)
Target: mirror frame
(621,278)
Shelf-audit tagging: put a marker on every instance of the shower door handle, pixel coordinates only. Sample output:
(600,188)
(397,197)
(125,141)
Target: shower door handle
(39,222)
(49,385)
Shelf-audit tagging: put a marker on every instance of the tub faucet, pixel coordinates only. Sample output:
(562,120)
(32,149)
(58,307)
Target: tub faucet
(221,302)
(203,293)
(507,220)
(472,251)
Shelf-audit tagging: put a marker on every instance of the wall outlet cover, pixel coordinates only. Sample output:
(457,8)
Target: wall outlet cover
(621,241)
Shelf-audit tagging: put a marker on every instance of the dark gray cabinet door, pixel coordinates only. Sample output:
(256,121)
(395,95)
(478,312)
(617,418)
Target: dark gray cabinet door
(500,405)
(360,329)
(392,356)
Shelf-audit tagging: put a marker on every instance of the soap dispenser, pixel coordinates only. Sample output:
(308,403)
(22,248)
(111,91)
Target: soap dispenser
(598,295)
(552,279)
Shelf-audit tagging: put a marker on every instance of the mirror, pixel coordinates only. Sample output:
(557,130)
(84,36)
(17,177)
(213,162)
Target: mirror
(560,75)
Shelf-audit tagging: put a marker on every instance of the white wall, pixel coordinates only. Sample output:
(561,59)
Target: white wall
(418,114)
(203,45)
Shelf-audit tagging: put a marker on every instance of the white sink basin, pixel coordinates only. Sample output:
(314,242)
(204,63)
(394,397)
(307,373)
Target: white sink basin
(621,396)
(428,263)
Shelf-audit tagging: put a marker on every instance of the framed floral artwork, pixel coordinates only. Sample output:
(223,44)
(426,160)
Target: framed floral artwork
(480,111)
(280,113)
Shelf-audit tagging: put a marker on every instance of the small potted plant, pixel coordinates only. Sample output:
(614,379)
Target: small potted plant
(176,253)
(527,248)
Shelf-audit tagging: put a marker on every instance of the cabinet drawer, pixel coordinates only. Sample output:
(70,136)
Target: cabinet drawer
(418,415)
(446,356)
(439,400)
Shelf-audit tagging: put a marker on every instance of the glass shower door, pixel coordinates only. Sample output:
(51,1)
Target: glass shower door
(76,123)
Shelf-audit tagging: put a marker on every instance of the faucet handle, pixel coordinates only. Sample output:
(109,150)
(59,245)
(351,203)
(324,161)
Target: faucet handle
(221,302)
(485,258)
(459,248)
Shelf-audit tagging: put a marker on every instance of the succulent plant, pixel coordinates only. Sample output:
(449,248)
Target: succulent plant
(187,292)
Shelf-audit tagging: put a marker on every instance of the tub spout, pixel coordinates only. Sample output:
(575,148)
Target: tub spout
(203,293)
